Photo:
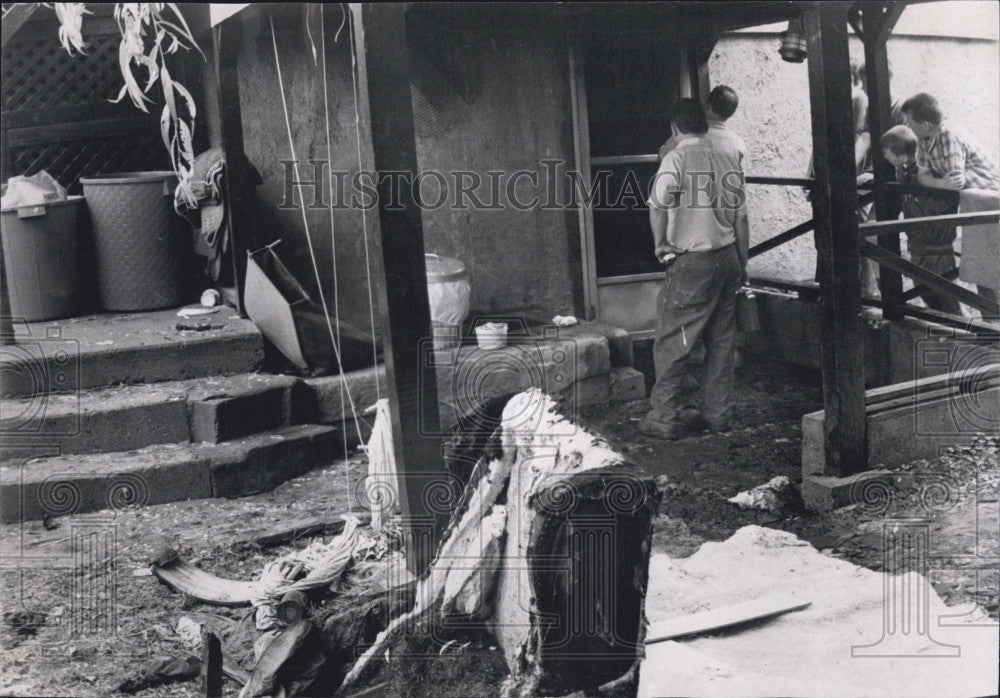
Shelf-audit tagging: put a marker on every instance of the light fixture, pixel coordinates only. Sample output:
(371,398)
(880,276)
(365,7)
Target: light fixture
(793,43)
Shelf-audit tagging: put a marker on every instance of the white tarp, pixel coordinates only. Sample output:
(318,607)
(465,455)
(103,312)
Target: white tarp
(848,642)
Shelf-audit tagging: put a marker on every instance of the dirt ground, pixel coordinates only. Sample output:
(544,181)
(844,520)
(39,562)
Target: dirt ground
(52,647)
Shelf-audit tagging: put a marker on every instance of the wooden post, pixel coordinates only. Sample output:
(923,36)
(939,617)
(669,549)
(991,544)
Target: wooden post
(698,53)
(211,665)
(877,23)
(6,323)
(387,114)
(226,42)
(834,200)
(13,20)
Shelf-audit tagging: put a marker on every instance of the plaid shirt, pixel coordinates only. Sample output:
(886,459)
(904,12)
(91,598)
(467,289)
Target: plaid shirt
(951,151)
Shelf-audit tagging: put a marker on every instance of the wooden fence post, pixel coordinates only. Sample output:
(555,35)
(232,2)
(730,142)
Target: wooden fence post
(834,200)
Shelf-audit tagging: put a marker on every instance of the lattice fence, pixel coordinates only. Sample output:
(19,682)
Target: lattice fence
(57,115)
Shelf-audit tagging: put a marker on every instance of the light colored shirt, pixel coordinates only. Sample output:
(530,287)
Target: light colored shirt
(723,136)
(701,184)
(719,133)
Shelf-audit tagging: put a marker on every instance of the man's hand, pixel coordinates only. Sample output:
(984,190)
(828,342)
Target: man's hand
(865,178)
(665,254)
(955,179)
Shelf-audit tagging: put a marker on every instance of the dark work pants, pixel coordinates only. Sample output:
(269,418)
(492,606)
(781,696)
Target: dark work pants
(697,299)
(939,259)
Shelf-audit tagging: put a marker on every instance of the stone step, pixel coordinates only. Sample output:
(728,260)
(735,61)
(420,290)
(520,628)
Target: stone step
(33,489)
(212,409)
(67,356)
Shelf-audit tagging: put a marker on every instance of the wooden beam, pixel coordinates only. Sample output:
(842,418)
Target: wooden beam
(875,19)
(781,238)
(892,14)
(834,203)
(929,278)
(6,322)
(226,40)
(910,224)
(714,619)
(385,107)
(14,19)
(784,181)
(970,325)
(919,289)
(581,154)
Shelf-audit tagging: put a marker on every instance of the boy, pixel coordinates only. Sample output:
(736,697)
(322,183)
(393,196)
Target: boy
(931,248)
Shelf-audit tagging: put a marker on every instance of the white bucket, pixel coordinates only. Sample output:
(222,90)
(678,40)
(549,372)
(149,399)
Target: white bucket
(491,335)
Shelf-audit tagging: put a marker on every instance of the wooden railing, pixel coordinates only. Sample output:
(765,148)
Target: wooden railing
(887,259)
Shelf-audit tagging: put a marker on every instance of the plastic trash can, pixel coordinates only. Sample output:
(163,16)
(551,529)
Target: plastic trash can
(449,293)
(41,258)
(143,247)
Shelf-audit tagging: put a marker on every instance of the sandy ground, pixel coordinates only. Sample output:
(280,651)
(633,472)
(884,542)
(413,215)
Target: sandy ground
(64,653)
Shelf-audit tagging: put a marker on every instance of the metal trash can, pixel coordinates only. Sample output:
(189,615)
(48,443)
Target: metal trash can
(142,245)
(41,258)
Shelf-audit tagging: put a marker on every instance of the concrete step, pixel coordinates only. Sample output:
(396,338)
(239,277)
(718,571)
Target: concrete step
(212,409)
(67,356)
(32,489)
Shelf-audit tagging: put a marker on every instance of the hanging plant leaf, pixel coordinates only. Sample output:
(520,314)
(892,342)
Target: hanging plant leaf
(147,38)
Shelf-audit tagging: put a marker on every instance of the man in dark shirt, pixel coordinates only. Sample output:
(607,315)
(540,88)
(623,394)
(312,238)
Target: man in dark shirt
(931,248)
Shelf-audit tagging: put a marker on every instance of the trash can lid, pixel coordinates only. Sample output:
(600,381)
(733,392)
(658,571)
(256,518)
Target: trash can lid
(442,269)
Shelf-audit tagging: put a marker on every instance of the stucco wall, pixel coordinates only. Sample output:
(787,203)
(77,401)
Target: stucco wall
(517,260)
(774,120)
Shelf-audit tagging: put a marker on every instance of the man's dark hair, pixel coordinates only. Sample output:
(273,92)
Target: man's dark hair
(723,100)
(900,140)
(923,107)
(688,116)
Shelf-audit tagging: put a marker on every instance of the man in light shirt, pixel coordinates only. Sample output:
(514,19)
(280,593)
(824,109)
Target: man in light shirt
(698,215)
(720,105)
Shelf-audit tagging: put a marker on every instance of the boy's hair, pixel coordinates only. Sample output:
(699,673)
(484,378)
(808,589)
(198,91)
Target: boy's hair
(923,107)
(688,116)
(900,140)
(723,100)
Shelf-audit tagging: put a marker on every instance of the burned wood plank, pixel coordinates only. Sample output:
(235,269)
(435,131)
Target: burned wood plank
(834,201)
(569,603)
(387,112)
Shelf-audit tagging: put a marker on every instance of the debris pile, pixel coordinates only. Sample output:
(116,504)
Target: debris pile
(551,520)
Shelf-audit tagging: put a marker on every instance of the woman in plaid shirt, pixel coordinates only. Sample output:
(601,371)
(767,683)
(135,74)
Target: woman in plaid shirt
(948,159)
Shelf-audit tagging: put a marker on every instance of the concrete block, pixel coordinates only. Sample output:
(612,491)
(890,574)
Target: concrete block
(626,384)
(913,420)
(102,350)
(86,483)
(324,402)
(107,420)
(263,461)
(255,403)
(163,473)
(590,391)
(789,330)
(620,343)
(821,493)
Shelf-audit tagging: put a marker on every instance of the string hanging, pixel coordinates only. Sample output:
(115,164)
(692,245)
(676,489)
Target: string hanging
(305,224)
